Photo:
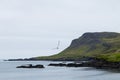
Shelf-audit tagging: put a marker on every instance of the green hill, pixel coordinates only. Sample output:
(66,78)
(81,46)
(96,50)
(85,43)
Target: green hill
(104,45)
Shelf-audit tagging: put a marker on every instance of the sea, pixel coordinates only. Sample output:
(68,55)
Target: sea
(8,71)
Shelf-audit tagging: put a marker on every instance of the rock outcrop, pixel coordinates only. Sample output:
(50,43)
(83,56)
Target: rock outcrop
(31,66)
(96,63)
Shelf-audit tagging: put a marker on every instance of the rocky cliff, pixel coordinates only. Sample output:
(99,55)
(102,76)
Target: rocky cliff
(105,45)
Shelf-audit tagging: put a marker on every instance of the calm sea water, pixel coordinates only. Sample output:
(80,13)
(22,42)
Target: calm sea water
(8,71)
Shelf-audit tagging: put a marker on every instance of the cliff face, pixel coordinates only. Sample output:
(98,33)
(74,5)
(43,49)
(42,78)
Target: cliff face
(92,39)
(99,44)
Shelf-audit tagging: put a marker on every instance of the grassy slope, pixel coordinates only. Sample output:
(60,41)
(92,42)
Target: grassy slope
(112,54)
(108,49)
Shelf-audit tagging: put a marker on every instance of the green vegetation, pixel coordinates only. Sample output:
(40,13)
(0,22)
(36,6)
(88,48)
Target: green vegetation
(103,45)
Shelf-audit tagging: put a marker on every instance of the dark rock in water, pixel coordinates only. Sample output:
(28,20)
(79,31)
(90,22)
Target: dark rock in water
(38,66)
(25,66)
(74,65)
(67,65)
(96,63)
(30,66)
(57,64)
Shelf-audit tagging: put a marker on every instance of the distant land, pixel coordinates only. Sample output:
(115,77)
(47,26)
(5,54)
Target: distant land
(100,45)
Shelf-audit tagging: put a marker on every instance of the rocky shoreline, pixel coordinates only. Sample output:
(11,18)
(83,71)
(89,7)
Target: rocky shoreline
(96,63)
(88,62)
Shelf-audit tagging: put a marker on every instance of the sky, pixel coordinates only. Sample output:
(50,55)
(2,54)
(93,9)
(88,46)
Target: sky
(30,28)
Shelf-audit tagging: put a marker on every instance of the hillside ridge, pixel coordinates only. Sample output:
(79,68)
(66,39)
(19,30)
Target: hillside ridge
(91,44)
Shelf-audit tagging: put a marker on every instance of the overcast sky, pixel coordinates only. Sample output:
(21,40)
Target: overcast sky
(30,28)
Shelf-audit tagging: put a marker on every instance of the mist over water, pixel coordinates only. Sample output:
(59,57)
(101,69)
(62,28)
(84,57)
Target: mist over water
(52,73)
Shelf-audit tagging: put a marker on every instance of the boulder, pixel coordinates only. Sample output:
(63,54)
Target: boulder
(74,65)
(57,64)
(66,65)
(30,66)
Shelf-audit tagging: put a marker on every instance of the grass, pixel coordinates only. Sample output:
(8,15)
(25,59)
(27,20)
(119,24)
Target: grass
(108,48)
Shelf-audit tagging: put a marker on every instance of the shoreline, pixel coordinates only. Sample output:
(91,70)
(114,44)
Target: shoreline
(94,62)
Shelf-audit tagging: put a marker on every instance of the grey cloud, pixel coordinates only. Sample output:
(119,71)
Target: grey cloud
(32,27)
